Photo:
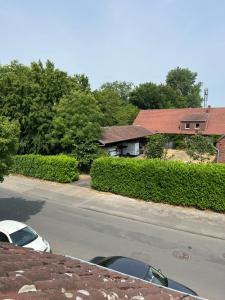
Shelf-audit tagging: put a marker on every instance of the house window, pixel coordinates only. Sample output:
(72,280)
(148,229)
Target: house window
(197,126)
(187,125)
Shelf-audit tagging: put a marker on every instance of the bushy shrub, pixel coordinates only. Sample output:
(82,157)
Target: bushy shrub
(60,168)
(200,147)
(177,183)
(155,148)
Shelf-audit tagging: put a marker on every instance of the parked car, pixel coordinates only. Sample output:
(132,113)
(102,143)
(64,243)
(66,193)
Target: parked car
(20,234)
(140,270)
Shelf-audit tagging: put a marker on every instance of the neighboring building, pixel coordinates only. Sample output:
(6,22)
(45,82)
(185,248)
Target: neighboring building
(30,275)
(208,121)
(220,145)
(124,140)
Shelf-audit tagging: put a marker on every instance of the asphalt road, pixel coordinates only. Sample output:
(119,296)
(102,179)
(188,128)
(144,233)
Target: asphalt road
(194,260)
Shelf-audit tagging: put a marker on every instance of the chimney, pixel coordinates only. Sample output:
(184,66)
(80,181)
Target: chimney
(208,108)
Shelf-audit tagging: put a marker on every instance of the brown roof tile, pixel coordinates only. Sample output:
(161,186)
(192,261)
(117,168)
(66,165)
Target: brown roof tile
(29,275)
(115,134)
(168,120)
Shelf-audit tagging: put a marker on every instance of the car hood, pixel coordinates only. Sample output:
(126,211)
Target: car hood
(38,244)
(180,287)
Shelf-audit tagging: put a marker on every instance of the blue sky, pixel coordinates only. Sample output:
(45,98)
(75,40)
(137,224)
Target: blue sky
(130,40)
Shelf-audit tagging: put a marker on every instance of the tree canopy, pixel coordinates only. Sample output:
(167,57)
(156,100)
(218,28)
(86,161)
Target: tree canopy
(115,109)
(200,147)
(28,95)
(122,88)
(155,148)
(9,133)
(184,80)
(76,126)
(180,90)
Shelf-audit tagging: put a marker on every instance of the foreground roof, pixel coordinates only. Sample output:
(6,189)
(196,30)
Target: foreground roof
(168,120)
(115,134)
(26,274)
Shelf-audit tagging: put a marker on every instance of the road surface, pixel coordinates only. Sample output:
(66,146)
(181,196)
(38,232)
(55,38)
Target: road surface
(72,228)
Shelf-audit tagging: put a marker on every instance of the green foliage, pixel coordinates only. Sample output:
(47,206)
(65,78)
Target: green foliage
(9,132)
(152,96)
(60,168)
(200,147)
(116,111)
(122,88)
(180,90)
(176,183)
(155,148)
(184,81)
(178,140)
(29,94)
(76,127)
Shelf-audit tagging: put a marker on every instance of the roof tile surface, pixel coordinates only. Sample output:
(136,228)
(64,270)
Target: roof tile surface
(29,275)
(168,120)
(115,134)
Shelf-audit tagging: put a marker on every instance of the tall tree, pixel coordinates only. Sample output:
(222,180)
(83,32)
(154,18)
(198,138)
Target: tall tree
(29,93)
(184,81)
(152,96)
(76,126)
(116,111)
(9,132)
(122,88)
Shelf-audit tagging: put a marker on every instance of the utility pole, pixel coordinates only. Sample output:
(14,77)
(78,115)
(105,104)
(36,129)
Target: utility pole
(206,93)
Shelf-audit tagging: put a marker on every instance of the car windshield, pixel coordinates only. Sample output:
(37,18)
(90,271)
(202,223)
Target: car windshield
(156,276)
(23,236)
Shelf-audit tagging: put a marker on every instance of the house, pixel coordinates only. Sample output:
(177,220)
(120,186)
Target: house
(207,121)
(124,140)
(30,275)
(220,145)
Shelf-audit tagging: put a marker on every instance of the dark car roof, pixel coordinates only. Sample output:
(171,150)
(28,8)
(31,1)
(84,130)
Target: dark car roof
(126,265)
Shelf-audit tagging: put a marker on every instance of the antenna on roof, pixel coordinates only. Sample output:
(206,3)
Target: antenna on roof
(205,100)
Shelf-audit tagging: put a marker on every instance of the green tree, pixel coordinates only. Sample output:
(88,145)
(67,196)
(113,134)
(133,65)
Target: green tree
(155,148)
(9,132)
(184,81)
(80,82)
(76,127)
(122,88)
(28,94)
(152,96)
(115,110)
(200,148)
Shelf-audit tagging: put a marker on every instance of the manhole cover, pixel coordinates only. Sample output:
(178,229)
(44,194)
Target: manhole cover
(182,255)
(223,255)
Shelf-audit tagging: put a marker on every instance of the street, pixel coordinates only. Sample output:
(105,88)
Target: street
(72,227)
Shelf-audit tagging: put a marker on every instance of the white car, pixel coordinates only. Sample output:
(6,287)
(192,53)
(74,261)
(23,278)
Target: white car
(20,234)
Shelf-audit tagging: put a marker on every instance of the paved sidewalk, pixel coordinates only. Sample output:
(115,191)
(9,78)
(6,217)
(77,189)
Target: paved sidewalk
(81,195)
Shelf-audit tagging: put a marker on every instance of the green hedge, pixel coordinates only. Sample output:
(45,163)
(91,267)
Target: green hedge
(60,168)
(198,185)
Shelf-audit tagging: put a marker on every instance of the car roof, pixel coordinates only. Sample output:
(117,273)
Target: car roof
(126,265)
(10,226)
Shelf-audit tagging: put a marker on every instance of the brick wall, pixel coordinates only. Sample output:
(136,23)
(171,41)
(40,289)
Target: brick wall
(221,147)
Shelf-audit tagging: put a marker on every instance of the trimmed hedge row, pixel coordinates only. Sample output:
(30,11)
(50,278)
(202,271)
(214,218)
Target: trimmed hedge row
(60,168)
(173,182)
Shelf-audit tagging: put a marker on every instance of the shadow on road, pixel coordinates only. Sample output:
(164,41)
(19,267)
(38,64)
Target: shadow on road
(18,209)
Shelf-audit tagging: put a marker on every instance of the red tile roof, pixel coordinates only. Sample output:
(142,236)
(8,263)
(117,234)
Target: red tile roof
(115,134)
(29,275)
(168,120)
